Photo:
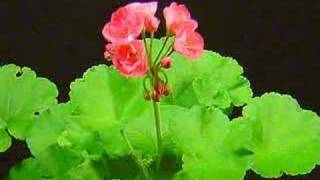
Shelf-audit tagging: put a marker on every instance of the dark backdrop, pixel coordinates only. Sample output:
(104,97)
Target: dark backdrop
(276,41)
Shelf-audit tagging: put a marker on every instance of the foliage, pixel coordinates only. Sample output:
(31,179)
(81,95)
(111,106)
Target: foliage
(107,129)
(22,97)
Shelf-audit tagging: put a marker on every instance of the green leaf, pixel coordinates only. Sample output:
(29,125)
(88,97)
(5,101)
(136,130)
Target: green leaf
(5,140)
(22,94)
(212,91)
(123,168)
(58,164)
(141,133)
(104,102)
(81,140)
(286,138)
(212,80)
(84,171)
(27,170)
(55,161)
(48,127)
(213,147)
(61,129)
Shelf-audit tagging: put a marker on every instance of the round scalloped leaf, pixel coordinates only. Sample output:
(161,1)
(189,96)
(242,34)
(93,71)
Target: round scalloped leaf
(104,102)
(213,147)
(80,139)
(214,91)
(286,138)
(5,140)
(28,169)
(22,94)
(56,163)
(141,132)
(212,80)
(60,128)
(84,171)
(50,123)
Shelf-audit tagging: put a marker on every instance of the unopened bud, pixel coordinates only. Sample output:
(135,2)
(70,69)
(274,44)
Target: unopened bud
(166,62)
(167,91)
(160,88)
(156,97)
(148,96)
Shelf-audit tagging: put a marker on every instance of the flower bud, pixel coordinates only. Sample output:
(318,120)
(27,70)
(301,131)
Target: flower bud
(166,62)
(167,91)
(160,88)
(156,97)
(148,95)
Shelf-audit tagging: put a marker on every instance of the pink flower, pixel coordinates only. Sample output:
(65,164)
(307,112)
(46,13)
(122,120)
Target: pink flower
(188,25)
(189,44)
(130,58)
(166,62)
(125,26)
(178,19)
(148,10)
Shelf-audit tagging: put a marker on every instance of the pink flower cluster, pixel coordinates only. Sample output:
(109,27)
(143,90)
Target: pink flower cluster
(127,51)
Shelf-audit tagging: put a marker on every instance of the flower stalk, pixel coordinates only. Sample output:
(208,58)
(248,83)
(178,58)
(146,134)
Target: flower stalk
(132,54)
(158,131)
(162,49)
(154,80)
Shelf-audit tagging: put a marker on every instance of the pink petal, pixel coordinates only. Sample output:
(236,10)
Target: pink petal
(130,59)
(148,8)
(176,13)
(125,25)
(190,44)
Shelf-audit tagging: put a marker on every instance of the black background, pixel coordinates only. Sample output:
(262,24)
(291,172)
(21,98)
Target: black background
(277,43)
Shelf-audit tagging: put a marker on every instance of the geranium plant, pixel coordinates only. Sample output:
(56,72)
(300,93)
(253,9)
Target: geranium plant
(160,112)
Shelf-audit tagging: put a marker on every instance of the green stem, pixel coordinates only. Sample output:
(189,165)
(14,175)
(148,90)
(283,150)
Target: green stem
(146,46)
(160,52)
(151,43)
(168,52)
(134,157)
(158,131)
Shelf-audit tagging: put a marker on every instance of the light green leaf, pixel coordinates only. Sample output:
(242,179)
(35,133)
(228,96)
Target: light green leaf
(56,163)
(27,170)
(141,133)
(104,102)
(80,139)
(212,80)
(22,94)
(212,91)
(84,171)
(5,140)
(61,129)
(213,148)
(286,138)
(48,127)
